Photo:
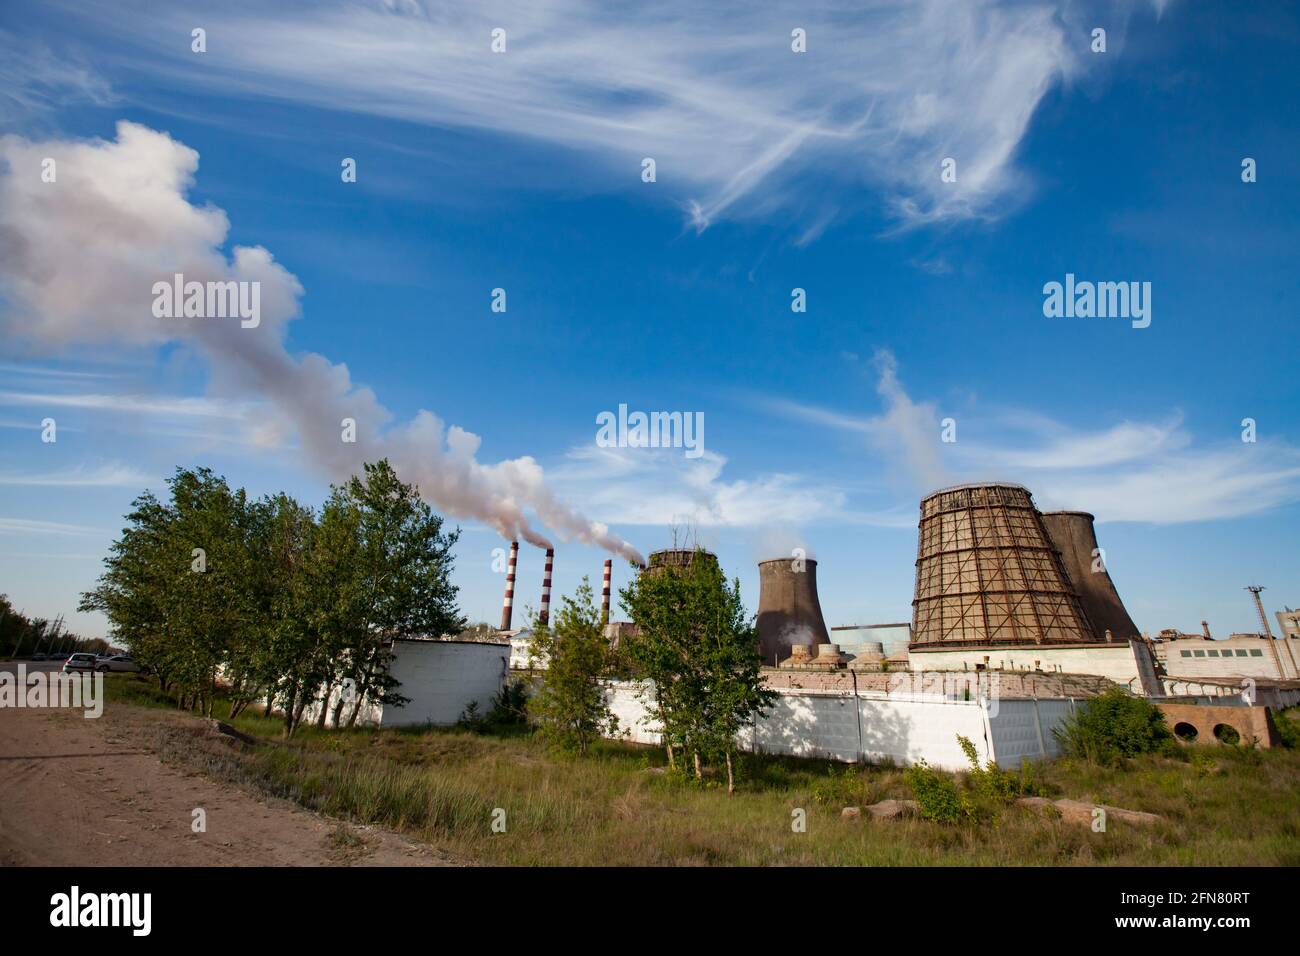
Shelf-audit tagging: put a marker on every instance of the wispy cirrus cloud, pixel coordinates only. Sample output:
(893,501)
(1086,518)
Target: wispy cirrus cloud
(58,528)
(1127,471)
(659,487)
(107,475)
(168,406)
(713,92)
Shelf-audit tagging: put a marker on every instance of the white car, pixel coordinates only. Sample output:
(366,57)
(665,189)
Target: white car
(80,662)
(118,662)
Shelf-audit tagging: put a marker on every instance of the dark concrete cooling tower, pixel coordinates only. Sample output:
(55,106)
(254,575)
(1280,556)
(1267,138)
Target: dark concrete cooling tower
(987,574)
(788,610)
(1073,535)
(675,559)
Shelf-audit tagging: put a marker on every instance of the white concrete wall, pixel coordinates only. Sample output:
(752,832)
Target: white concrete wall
(443,678)
(873,726)
(1124,662)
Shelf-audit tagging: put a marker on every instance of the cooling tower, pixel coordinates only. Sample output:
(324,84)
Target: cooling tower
(987,573)
(1073,535)
(788,610)
(675,558)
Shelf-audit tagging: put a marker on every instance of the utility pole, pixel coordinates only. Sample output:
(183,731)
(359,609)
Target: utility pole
(1268,631)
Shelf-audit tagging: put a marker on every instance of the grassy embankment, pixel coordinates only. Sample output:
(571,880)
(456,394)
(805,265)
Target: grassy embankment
(1228,806)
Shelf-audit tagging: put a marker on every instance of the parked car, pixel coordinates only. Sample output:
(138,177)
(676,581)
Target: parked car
(79,662)
(118,662)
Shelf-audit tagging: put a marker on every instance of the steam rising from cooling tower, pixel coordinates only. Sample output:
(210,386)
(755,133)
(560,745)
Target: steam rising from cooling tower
(789,612)
(63,292)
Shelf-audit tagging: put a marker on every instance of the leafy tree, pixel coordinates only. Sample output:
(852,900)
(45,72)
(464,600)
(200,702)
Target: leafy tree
(399,581)
(697,646)
(570,707)
(132,591)
(1112,726)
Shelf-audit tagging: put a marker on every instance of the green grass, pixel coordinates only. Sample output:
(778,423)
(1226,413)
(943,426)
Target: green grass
(1225,806)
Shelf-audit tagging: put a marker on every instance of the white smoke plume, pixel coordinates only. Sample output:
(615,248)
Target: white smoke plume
(78,260)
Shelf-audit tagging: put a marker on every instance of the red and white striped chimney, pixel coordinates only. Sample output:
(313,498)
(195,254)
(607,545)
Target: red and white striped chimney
(507,607)
(604,591)
(544,616)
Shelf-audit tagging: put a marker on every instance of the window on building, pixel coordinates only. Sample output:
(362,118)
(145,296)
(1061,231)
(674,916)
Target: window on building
(1243,653)
(1256,653)
(1214,653)
(1199,653)
(1186,653)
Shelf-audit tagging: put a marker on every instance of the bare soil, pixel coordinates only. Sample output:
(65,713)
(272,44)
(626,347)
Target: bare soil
(78,792)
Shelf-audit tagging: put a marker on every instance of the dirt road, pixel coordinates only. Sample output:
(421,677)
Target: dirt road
(77,792)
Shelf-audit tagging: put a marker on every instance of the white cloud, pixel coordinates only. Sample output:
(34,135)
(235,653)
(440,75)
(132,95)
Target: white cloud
(1130,471)
(658,486)
(30,526)
(109,475)
(887,89)
(78,264)
(162,406)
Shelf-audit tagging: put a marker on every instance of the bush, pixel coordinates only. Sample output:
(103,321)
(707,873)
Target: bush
(509,710)
(840,787)
(1113,726)
(995,784)
(1288,728)
(936,794)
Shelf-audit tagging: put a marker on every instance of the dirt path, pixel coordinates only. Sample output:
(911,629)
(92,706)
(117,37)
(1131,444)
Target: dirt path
(77,792)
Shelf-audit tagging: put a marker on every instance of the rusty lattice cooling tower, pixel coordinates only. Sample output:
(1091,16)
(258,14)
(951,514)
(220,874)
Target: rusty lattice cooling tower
(987,573)
(788,610)
(1073,535)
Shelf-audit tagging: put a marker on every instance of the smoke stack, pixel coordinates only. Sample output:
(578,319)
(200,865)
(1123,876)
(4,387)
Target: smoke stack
(604,591)
(1073,535)
(789,612)
(544,616)
(507,606)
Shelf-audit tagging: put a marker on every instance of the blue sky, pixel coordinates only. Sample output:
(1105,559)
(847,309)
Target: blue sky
(775,170)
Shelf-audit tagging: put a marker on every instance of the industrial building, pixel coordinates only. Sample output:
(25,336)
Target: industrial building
(1015,620)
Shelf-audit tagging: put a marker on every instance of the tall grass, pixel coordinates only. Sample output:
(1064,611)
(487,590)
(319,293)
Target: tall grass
(1228,806)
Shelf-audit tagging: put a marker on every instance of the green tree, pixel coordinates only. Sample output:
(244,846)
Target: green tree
(399,581)
(697,646)
(1112,726)
(570,707)
(132,591)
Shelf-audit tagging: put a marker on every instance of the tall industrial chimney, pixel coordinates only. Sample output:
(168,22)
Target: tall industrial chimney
(604,591)
(544,616)
(1073,535)
(789,612)
(507,607)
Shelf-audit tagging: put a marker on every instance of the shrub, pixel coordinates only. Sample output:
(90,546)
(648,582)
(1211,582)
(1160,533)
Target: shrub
(936,794)
(508,710)
(1288,728)
(992,782)
(1113,726)
(842,787)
